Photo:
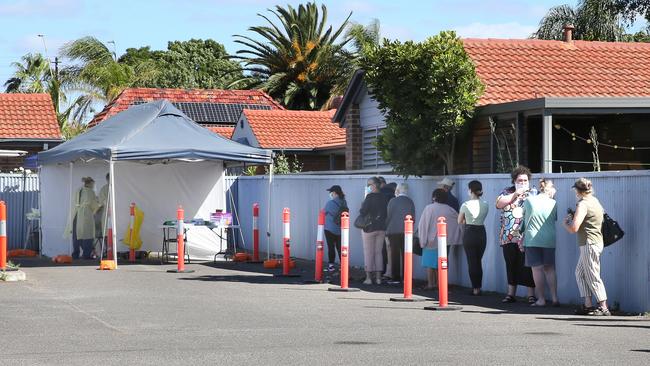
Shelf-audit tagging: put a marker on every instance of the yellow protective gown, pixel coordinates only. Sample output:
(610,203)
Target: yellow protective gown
(84,205)
(137,224)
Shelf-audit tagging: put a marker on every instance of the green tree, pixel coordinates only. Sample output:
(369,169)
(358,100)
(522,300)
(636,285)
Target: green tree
(594,20)
(630,9)
(427,92)
(300,60)
(32,75)
(197,63)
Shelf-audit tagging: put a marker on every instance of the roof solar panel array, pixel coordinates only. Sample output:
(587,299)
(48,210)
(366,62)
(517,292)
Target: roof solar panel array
(213,112)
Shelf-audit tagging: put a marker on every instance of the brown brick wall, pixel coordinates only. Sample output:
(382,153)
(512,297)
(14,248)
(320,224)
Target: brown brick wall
(353,146)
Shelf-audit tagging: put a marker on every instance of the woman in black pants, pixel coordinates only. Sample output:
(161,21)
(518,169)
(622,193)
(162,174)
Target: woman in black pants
(472,214)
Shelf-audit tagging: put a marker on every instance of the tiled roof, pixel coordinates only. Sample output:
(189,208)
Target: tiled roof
(132,96)
(295,129)
(28,116)
(519,69)
(225,131)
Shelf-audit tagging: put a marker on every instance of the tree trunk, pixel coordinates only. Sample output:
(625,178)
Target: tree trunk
(448,156)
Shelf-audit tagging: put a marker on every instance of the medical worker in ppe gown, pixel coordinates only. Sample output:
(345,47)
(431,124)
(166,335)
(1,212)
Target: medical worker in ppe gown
(82,219)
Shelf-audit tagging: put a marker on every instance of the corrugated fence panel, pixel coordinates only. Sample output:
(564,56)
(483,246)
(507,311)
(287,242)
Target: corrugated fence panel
(625,265)
(20,194)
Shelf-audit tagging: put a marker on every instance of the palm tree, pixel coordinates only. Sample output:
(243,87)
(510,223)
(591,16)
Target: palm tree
(96,72)
(594,20)
(298,61)
(32,75)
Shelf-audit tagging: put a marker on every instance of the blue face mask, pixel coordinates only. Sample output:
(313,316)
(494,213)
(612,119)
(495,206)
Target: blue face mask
(368,190)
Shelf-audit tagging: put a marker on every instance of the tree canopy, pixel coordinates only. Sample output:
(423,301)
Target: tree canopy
(427,91)
(594,20)
(298,59)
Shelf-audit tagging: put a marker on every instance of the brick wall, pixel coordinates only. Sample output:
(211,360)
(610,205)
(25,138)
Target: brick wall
(353,146)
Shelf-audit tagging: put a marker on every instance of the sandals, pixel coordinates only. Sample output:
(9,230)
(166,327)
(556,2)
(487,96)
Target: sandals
(509,299)
(584,310)
(532,299)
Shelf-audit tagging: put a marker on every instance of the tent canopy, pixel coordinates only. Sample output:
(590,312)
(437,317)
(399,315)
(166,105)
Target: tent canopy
(149,132)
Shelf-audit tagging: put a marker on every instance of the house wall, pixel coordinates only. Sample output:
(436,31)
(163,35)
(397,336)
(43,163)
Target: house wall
(8,164)
(243,130)
(625,265)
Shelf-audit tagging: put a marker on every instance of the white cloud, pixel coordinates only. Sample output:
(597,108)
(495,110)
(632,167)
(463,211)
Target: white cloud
(502,30)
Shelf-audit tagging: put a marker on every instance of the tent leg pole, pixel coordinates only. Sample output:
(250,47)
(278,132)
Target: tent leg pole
(113,242)
(71,212)
(268,214)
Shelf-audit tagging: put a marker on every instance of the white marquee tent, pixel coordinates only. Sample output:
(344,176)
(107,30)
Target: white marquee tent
(158,158)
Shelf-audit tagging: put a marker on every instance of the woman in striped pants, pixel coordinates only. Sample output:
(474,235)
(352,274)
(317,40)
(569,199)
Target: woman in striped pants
(587,221)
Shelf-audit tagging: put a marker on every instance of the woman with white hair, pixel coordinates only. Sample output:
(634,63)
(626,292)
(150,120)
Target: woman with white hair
(398,208)
(587,221)
(540,215)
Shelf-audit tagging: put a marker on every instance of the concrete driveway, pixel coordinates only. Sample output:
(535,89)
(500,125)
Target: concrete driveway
(238,314)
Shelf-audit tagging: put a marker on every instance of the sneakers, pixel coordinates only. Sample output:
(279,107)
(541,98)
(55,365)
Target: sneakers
(600,311)
(583,310)
(331,268)
(368,281)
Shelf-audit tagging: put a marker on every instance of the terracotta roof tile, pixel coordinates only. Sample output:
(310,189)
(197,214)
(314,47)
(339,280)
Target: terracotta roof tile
(526,69)
(28,116)
(295,129)
(132,95)
(225,131)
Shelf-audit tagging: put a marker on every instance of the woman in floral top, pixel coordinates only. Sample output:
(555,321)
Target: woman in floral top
(511,202)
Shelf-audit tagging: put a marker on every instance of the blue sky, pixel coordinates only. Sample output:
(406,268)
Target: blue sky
(136,23)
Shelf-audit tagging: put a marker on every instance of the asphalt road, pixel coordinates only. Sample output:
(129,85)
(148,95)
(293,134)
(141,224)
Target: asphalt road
(232,314)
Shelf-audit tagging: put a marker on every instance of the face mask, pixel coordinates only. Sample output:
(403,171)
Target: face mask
(522,185)
(368,190)
(332,196)
(469,193)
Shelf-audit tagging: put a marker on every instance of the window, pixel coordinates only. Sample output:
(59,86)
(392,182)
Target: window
(370,155)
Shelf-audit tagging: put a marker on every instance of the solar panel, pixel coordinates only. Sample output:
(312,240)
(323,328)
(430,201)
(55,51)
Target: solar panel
(213,112)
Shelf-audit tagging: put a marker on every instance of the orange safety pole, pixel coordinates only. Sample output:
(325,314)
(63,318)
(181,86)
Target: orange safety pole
(3,236)
(109,235)
(408,257)
(408,262)
(318,261)
(180,242)
(256,233)
(442,262)
(132,219)
(180,239)
(286,225)
(286,256)
(345,248)
(318,268)
(443,300)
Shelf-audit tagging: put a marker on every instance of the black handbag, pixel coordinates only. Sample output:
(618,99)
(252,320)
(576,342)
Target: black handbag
(611,231)
(417,249)
(362,222)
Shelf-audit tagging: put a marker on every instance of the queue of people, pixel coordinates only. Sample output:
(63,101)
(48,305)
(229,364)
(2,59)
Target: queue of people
(527,235)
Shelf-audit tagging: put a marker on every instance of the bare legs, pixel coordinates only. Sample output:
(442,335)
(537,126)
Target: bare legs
(543,275)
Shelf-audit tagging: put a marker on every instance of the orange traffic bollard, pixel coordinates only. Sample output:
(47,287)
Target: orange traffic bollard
(256,234)
(109,241)
(132,220)
(180,243)
(286,240)
(3,236)
(443,301)
(345,247)
(318,266)
(408,263)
